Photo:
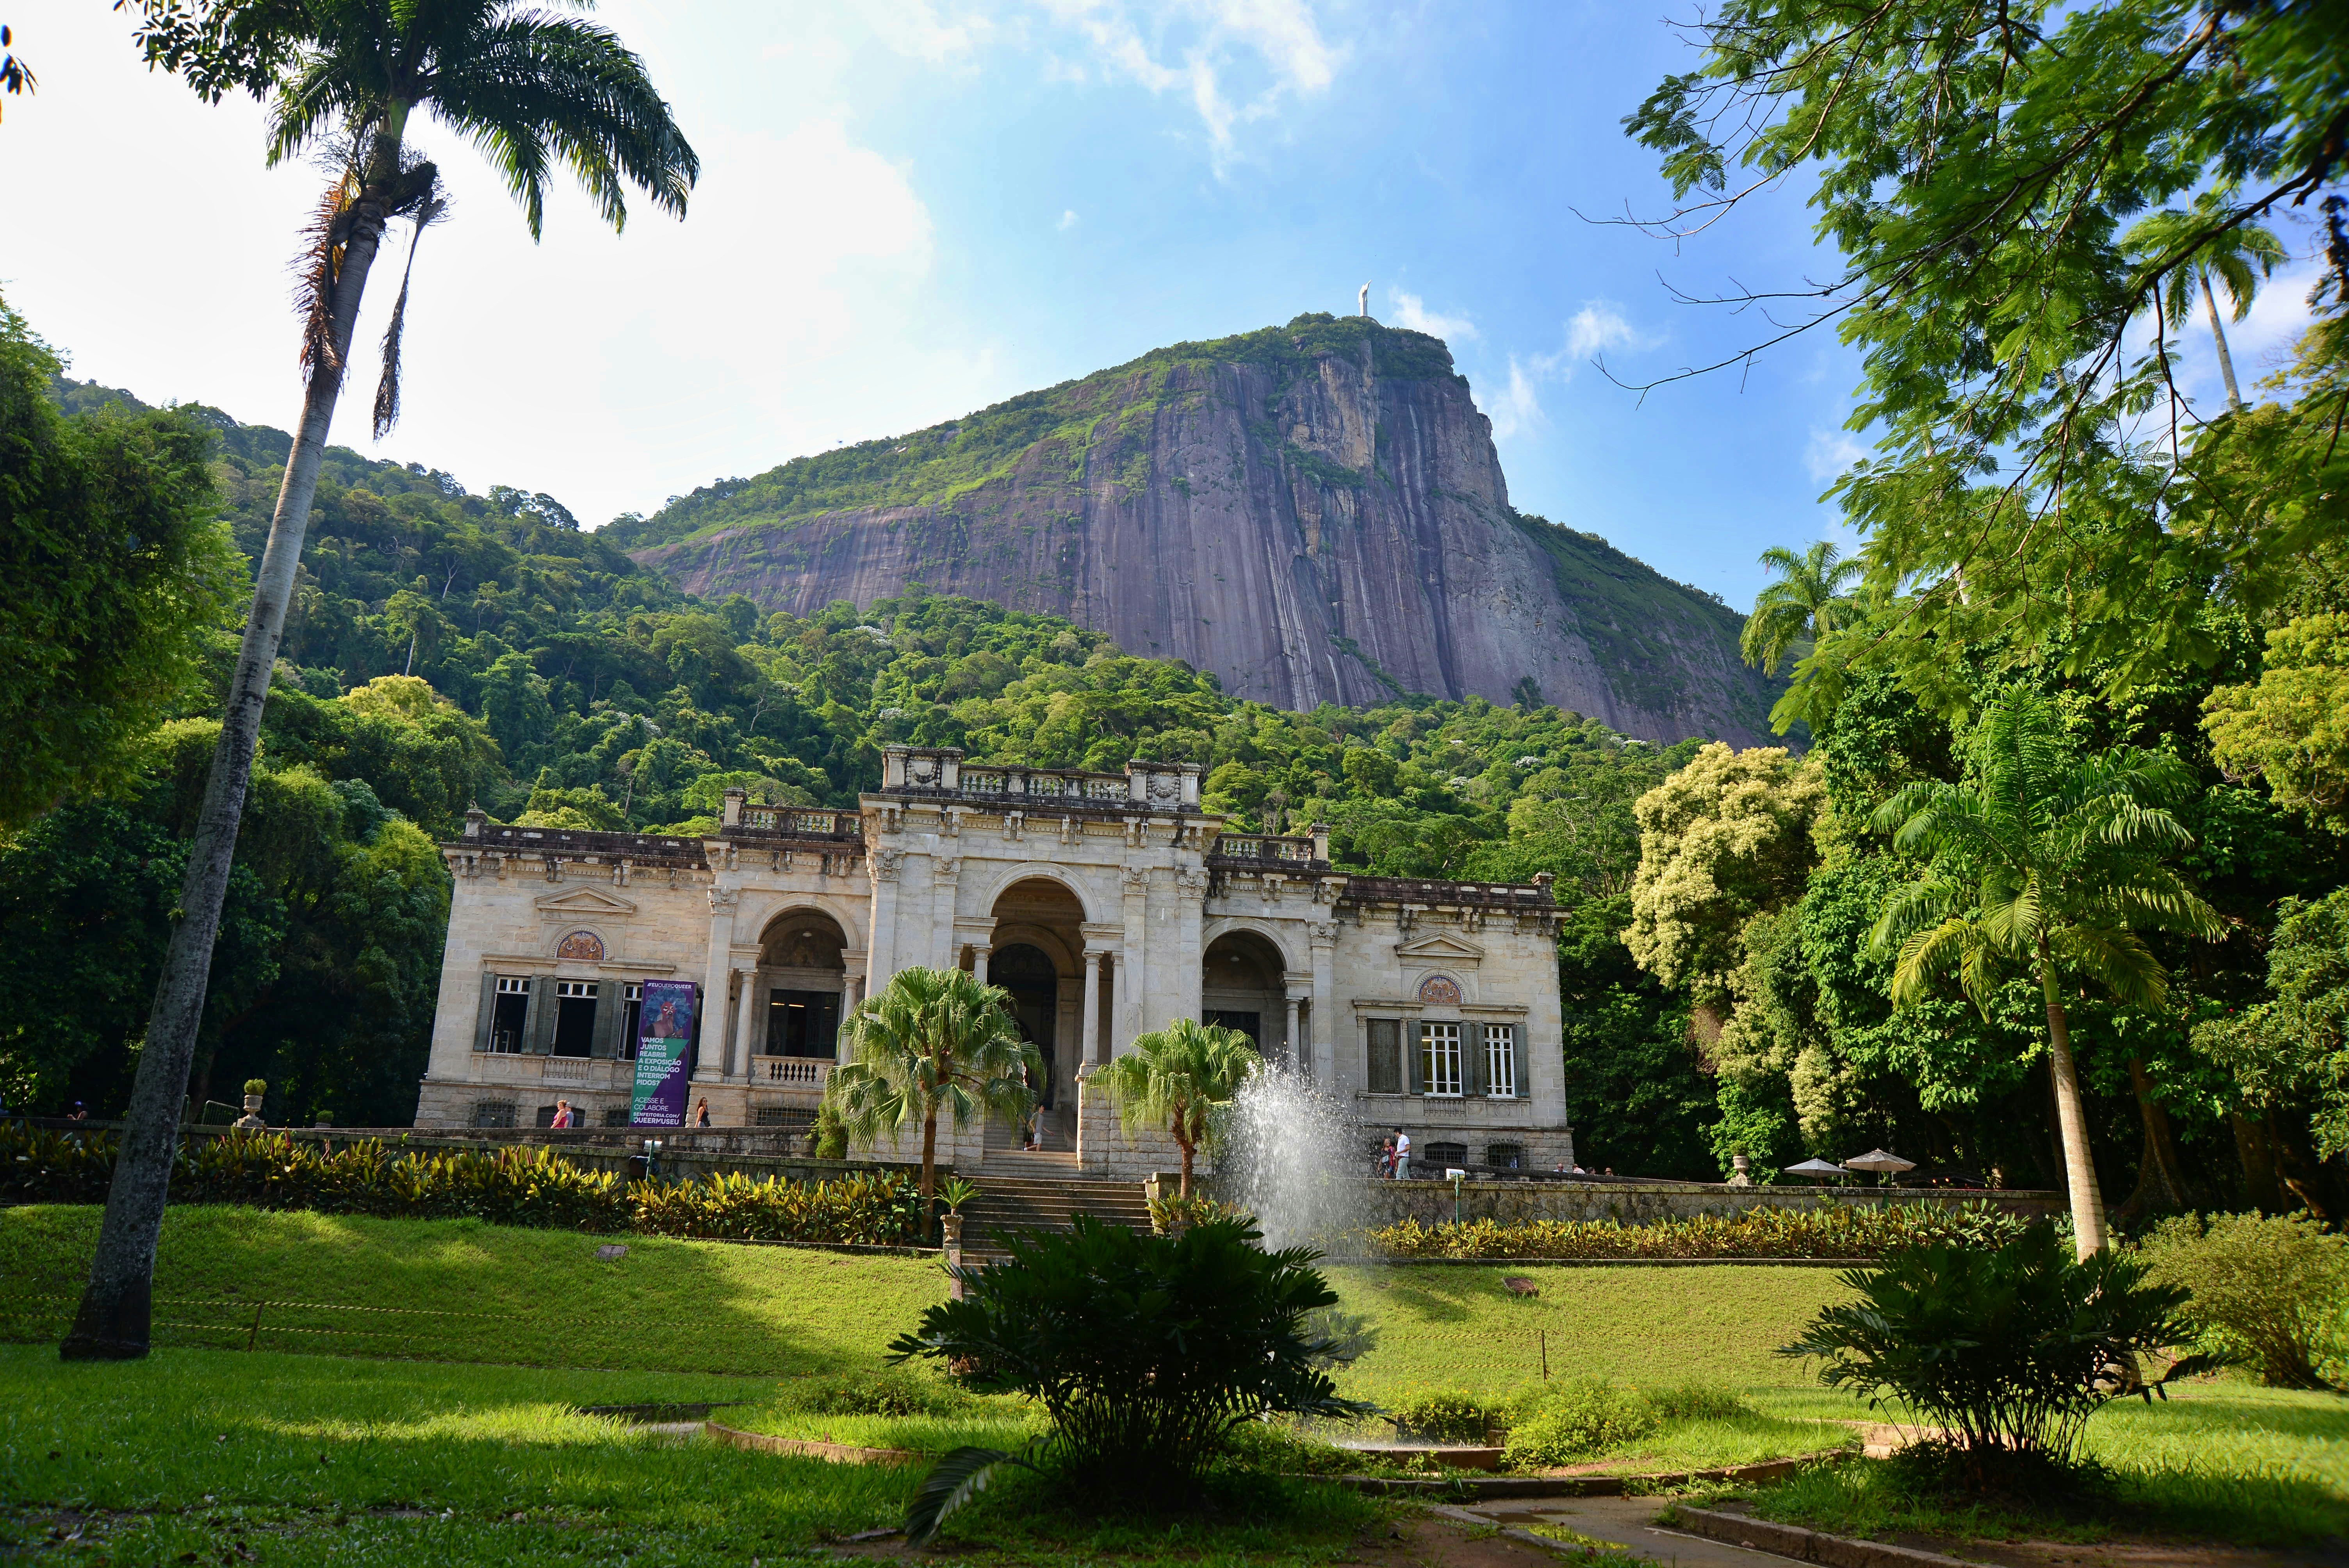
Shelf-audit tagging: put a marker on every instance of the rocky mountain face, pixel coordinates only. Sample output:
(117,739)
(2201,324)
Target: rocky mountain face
(1315,513)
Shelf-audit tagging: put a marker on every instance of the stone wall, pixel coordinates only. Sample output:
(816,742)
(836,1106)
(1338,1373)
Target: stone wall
(1644,1202)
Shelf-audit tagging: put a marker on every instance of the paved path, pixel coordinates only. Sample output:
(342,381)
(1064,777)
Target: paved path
(1627,1522)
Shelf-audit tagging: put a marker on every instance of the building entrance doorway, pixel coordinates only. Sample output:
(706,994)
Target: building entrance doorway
(1244,986)
(1028,974)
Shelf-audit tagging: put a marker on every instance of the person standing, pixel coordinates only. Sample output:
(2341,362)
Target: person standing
(1386,1159)
(1401,1155)
(702,1111)
(562,1116)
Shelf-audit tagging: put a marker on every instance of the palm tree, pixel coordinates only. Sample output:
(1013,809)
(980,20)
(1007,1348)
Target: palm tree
(2047,861)
(1807,600)
(2241,256)
(1177,1078)
(933,1041)
(348,77)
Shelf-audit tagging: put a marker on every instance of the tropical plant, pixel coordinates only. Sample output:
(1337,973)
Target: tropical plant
(957,1190)
(1572,1419)
(2008,1351)
(1176,1078)
(2052,863)
(2272,1289)
(932,1042)
(345,77)
(256,1085)
(1808,603)
(1445,1414)
(1145,1351)
(2241,254)
(1843,1232)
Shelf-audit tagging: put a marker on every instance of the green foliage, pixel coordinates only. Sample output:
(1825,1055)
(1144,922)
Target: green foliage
(1172,1213)
(1572,1419)
(119,577)
(256,1085)
(1804,606)
(883,1391)
(954,1192)
(2292,728)
(2271,1291)
(1826,1230)
(1143,1350)
(1442,1415)
(1176,1079)
(534,1188)
(2009,1350)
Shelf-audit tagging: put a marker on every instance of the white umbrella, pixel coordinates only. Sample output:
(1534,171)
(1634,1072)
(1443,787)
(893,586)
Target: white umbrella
(1815,1170)
(1877,1161)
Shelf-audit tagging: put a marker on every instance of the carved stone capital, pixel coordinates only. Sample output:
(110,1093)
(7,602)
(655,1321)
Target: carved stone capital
(886,864)
(722,900)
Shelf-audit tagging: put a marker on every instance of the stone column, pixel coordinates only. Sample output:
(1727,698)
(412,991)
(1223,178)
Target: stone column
(1132,969)
(978,952)
(711,1065)
(1300,1053)
(1320,1023)
(745,1022)
(1092,1051)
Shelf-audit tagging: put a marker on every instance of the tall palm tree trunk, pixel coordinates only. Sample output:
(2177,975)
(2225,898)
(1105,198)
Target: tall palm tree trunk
(2072,1121)
(929,1166)
(114,1320)
(1184,1144)
(2219,336)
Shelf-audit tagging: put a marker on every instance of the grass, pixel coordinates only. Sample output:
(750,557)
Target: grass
(1006,1428)
(1458,1327)
(301,1460)
(458,1290)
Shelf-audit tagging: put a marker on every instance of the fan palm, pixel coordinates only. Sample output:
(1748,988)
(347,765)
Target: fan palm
(2051,863)
(1177,1078)
(1807,602)
(2241,256)
(347,77)
(933,1042)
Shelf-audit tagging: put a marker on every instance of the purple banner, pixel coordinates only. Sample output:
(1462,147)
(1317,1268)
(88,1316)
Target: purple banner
(663,1054)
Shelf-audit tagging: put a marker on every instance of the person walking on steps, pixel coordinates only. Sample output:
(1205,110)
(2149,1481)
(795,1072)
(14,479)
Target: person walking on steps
(1403,1155)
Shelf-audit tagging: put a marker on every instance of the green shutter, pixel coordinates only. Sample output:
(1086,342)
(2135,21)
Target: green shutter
(539,1029)
(1414,1058)
(489,1012)
(1517,1049)
(1472,1073)
(608,1004)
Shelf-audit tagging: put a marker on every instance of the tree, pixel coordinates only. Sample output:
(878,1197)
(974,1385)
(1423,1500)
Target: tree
(2291,726)
(119,575)
(933,1042)
(347,75)
(1176,1078)
(2232,253)
(2048,861)
(1806,602)
(1975,165)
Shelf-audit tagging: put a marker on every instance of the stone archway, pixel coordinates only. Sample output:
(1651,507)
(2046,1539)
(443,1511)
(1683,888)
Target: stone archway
(1035,951)
(802,978)
(1244,986)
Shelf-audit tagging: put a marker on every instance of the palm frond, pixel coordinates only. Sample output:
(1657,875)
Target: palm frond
(959,1476)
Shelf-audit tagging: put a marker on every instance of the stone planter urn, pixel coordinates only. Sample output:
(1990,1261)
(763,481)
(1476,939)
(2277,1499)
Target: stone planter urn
(1741,1175)
(950,1238)
(251,1121)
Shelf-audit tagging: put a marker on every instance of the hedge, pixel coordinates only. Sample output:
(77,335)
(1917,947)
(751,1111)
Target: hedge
(1859,1231)
(533,1188)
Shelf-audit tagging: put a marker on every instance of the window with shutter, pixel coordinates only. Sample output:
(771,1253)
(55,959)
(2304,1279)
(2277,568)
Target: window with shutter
(1385,1076)
(1501,1061)
(1438,1060)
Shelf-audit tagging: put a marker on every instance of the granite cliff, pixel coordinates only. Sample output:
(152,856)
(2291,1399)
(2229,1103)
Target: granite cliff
(1314,512)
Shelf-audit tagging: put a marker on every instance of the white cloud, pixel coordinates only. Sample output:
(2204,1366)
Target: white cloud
(1598,327)
(1517,406)
(1412,312)
(1068,220)
(1236,60)
(914,28)
(1830,454)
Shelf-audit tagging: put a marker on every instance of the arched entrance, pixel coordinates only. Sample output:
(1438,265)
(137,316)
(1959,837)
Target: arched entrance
(1034,949)
(1244,986)
(803,975)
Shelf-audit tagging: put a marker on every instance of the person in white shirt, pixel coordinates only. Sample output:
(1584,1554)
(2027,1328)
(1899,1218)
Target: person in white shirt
(1403,1155)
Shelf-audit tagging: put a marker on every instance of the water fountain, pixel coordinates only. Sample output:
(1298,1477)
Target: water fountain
(1294,1157)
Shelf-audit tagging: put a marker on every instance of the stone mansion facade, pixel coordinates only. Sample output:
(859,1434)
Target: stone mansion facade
(1106,905)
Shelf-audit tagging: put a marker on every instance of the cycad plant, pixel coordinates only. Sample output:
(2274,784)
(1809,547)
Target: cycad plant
(1176,1078)
(933,1043)
(2050,862)
(347,79)
(2240,257)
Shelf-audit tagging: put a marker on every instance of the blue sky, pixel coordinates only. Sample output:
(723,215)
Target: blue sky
(912,209)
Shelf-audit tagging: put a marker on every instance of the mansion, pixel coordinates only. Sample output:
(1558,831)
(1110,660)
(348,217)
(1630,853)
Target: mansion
(1106,905)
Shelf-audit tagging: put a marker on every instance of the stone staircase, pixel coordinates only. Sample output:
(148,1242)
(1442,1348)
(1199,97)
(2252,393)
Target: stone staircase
(1041,1191)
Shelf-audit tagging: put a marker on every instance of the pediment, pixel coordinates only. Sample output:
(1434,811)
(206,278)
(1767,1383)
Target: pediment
(1440,948)
(584,904)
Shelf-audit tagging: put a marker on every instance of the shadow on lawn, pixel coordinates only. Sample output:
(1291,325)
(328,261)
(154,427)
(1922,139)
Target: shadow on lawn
(461,1291)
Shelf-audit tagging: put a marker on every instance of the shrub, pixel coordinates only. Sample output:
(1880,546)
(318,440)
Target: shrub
(1173,1213)
(1446,1415)
(256,1085)
(830,1137)
(1557,1423)
(2009,1351)
(1146,1352)
(1854,1231)
(1696,1402)
(2271,1290)
(892,1391)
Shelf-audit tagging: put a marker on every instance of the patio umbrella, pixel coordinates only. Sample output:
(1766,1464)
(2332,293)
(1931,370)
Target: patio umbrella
(1878,1162)
(1815,1170)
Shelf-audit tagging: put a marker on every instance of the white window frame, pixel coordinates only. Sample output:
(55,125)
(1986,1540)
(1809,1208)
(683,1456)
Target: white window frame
(1500,1061)
(511,986)
(575,990)
(1439,1047)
